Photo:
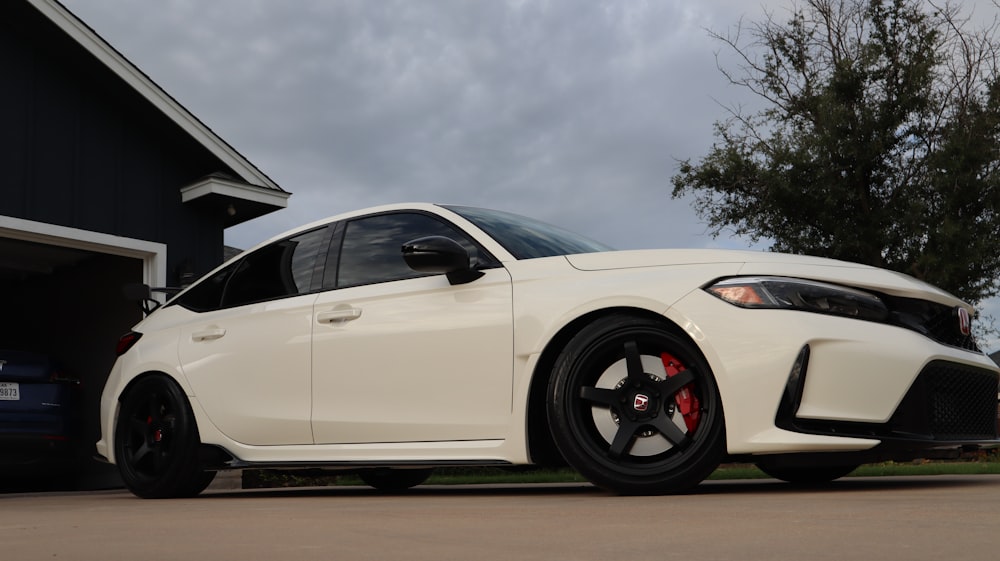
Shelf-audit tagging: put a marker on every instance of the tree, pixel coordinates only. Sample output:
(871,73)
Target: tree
(878,142)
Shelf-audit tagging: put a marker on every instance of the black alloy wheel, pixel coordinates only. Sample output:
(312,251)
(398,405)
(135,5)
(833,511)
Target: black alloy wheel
(156,441)
(634,407)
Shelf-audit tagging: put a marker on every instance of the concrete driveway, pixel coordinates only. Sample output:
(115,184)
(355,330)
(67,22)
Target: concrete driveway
(912,518)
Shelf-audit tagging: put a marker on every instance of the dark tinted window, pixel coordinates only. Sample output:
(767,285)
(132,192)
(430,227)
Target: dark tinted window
(372,246)
(207,294)
(285,268)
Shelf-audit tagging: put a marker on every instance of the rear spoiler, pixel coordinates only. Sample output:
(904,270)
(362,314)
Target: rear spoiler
(143,294)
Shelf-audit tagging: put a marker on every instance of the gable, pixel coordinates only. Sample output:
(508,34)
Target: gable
(247,190)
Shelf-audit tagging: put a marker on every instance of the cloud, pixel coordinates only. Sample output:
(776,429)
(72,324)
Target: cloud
(572,112)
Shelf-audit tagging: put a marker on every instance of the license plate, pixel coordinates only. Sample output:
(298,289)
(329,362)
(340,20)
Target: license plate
(10,391)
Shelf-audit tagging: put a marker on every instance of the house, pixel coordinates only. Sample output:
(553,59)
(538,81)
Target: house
(107,180)
(996,358)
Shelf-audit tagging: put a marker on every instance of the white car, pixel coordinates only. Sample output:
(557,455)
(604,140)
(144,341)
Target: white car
(394,340)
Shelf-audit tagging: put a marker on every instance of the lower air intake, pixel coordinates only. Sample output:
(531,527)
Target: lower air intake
(952,402)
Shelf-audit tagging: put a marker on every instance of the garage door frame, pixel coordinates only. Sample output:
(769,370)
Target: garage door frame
(152,254)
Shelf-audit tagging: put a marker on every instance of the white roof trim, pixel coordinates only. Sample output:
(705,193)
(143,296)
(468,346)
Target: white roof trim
(225,187)
(134,77)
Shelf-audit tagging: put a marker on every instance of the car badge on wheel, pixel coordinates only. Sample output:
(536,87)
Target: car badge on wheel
(964,322)
(641,402)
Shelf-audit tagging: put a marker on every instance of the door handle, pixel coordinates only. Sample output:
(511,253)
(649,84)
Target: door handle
(339,315)
(208,334)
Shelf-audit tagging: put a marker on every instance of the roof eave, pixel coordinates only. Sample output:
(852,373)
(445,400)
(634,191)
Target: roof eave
(235,201)
(139,81)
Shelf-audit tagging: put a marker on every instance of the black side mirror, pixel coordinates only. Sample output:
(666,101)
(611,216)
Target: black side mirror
(438,254)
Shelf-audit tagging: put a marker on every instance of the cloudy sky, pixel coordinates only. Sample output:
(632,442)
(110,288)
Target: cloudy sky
(575,112)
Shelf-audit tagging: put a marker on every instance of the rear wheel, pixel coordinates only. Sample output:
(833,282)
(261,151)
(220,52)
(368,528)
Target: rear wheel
(394,480)
(635,408)
(156,441)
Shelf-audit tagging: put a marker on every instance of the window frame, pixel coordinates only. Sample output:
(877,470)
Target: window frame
(483,258)
(230,270)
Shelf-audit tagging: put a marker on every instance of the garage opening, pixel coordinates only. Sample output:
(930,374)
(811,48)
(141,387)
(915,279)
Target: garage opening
(62,298)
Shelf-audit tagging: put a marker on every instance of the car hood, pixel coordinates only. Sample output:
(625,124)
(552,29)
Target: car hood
(660,257)
(769,263)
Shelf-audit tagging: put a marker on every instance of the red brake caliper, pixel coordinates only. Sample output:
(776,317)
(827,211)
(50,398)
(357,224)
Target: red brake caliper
(158,435)
(687,401)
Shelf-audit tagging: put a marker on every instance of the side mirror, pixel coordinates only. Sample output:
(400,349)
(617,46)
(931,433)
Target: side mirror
(438,254)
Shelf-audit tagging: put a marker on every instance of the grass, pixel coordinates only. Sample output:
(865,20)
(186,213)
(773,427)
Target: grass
(981,463)
(883,469)
(928,468)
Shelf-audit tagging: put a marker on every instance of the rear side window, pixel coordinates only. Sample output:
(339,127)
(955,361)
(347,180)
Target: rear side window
(284,268)
(207,294)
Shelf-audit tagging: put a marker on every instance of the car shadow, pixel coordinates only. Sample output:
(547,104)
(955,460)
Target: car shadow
(728,487)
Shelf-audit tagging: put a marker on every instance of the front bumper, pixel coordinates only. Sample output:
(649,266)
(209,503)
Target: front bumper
(949,405)
(864,386)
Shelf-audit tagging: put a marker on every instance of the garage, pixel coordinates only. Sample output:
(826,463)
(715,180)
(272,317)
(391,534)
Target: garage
(52,282)
(108,181)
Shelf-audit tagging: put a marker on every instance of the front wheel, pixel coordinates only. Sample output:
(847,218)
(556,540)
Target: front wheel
(156,442)
(635,408)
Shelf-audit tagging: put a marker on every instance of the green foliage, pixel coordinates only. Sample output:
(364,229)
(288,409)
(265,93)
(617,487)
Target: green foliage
(878,142)
(982,462)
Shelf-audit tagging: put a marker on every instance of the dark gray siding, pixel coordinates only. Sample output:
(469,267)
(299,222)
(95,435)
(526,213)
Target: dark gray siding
(80,148)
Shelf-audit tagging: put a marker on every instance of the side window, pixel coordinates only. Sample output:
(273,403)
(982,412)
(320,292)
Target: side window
(372,248)
(207,294)
(285,268)
(281,269)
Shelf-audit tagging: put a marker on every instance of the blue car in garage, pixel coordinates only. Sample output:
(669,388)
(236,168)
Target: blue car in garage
(38,415)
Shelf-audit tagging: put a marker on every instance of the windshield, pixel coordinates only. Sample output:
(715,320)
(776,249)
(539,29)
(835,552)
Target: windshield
(526,238)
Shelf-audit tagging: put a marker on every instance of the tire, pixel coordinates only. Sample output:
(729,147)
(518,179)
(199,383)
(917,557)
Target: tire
(635,408)
(394,480)
(805,475)
(156,442)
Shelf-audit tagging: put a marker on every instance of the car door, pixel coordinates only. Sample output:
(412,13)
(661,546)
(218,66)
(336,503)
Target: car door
(247,352)
(400,356)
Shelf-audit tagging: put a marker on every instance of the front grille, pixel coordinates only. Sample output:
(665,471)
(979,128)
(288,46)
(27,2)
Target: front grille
(936,321)
(948,402)
(943,327)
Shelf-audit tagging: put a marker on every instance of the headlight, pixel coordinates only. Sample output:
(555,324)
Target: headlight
(799,294)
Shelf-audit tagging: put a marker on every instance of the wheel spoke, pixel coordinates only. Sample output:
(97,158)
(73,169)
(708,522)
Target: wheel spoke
(623,440)
(670,431)
(633,361)
(140,453)
(160,457)
(674,383)
(601,396)
(153,408)
(137,427)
